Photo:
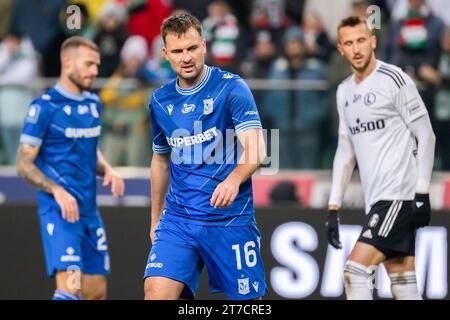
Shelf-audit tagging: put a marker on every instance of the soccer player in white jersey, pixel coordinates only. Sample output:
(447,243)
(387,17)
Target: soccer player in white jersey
(383,126)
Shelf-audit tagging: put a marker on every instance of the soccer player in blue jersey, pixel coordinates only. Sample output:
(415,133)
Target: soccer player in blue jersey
(58,154)
(202,210)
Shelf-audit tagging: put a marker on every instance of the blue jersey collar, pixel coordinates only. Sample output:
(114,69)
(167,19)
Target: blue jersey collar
(198,86)
(66,93)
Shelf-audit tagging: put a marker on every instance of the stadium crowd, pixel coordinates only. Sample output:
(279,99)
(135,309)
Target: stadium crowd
(259,40)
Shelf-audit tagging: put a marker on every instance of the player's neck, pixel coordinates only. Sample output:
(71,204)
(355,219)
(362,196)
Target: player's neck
(186,84)
(69,85)
(360,76)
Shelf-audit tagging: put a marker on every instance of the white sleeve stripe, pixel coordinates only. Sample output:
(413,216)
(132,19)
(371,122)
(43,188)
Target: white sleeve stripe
(248,128)
(244,124)
(27,139)
(161,149)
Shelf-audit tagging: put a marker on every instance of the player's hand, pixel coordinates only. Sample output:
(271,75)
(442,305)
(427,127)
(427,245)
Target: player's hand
(152,234)
(67,203)
(421,210)
(332,225)
(225,192)
(115,179)
(153,226)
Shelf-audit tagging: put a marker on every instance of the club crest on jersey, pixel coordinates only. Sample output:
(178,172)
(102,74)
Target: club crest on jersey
(369,99)
(243,286)
(208,105)
(82,109)
(94,111)
(188,108)
(170,108)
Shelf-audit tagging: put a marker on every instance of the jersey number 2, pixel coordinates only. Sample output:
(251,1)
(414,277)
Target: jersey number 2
(101,245)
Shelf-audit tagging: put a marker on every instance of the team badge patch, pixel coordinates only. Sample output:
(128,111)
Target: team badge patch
(33,113)
(243,286)
(208,105)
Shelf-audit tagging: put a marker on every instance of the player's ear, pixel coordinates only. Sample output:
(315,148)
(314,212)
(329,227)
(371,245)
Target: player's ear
(204,44)
(65,59)
(339,47)
(165,53)
(373,41)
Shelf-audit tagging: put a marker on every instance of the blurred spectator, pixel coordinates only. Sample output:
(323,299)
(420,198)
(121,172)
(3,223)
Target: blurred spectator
(92,7)
(284,194)
(157,69)
(294,10)
(331,13)
(258,64)
(146,17)
(270,15)
(125,109)
(359,8)
(198,8)
(300,114)
(39,19)
(442,106)
(18,66)
(221,31)
(399,9)
(5,17)
(110,36)
(317,42)
(413,43)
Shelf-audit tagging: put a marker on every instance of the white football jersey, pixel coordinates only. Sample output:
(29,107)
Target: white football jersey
(375,114)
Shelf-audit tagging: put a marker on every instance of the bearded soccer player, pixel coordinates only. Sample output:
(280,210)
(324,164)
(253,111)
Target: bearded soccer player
(383,126)
(58,154)
(202,210)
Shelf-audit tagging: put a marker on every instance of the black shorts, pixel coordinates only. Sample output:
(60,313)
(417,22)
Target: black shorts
(388,228)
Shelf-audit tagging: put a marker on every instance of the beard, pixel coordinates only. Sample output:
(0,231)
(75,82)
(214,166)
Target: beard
(193,77)
(365,65)
(77,81)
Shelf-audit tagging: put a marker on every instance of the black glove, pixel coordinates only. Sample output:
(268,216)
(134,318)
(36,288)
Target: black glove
(332,225)
(421,210)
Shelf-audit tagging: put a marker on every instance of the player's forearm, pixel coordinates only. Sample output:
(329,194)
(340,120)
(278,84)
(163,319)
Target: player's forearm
(253,154)
(422,130)
(102,164)
(159,181)
(30,173)
(343,165)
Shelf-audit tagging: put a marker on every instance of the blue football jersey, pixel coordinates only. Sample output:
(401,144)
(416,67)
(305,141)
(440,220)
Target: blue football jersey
(66,126)
(198,126)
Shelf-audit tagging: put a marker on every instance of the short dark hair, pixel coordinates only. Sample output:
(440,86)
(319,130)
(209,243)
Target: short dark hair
(180,24)
(353,21)
(76,42)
